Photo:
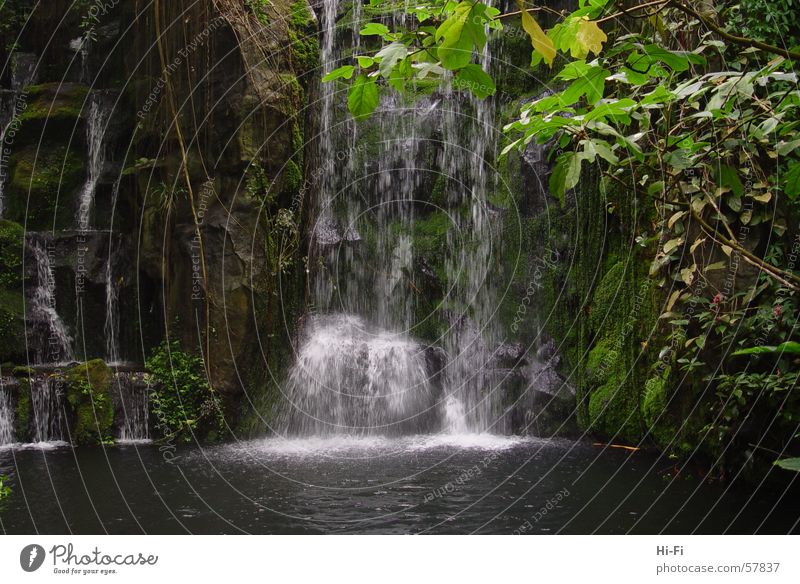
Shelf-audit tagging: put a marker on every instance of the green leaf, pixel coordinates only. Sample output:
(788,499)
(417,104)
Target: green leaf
(789,464)
(460,34)
(474,78)
(791,347)
(400,75)
(389,56)
(363,97)
(566,174)
(591,85)
(791,185)
(374,29)
(365,62)
(675,61)
(727,176)
(343,72)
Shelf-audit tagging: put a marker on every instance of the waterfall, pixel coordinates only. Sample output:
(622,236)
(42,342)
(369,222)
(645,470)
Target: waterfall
(111,326)
(47,405)
(350,379)
(100,109)
(50,340)
(132,399)
(6,415)
(470,148)
(23,74)
(359,369)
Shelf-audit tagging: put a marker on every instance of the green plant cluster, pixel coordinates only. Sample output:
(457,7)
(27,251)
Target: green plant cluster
(5,490)
(89,397)
(182,400)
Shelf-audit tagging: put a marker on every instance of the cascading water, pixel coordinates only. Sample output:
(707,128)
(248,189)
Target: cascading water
(132,400)
(50,340)
(47,405)
(111,326)
(353,380)
(472,401)
(100,110)
(359,370)
(6,416)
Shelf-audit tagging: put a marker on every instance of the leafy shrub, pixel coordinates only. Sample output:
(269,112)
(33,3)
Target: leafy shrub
(182,400)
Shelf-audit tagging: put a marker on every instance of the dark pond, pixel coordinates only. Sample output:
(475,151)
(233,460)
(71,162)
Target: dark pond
(422,484)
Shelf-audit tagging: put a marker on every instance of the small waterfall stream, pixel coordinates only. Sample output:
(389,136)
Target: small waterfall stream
(6,415)
(470,148)
(359,369)
(100,110)
(111,326)
(47,406)
(50,341)
(132,398)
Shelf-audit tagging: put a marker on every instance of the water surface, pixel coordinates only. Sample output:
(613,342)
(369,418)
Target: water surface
(419,484)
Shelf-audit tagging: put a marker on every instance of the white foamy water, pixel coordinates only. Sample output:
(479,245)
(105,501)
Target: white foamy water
(350,379)
(370,446)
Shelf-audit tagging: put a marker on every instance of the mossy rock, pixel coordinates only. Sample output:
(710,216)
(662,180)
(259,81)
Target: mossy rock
(43,182)
(305,49)
(23,372)
(603,361)
(614,411)
(301,15)
(11,244)
(12,326)
(609,306)
(654,411)
(89,396)
(291,178)
(54,102)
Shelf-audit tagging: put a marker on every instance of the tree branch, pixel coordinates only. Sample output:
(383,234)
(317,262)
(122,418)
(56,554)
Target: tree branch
(743,41)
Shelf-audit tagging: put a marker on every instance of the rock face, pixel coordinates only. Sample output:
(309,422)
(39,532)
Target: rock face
(195,198)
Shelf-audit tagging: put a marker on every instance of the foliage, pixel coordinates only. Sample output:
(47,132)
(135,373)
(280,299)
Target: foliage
(259,8)
(88,394)
(11,239)
(5,490)
(689,119)
(13,16)
(766,20)
(182,398)
(282,234)
(441,42)
(792,464)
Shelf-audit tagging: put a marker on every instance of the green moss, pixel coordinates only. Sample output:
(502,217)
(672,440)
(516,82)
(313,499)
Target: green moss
(439,191)
(292,177)
(259,9)
(608,307)
(42,184)
(613,410)
(12,326)
(11,242)
(22,371)
(301,15)
(54,102)
(89,395)
(603,359)
(654,410)
(305,49)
